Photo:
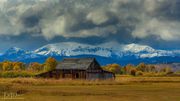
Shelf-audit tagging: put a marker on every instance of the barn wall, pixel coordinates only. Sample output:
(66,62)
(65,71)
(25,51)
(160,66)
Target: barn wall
(109,76)
(72,74)
(92,76)
(78,74)
(100,76)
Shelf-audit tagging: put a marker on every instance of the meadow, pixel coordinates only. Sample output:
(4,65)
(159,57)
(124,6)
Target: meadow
(123,88)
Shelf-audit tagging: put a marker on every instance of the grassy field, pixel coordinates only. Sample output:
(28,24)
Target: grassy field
(122,89)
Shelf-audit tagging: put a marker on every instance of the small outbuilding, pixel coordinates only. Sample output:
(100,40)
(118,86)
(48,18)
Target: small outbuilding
(78,68)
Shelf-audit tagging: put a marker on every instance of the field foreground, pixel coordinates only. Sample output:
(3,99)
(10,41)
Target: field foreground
(122,89)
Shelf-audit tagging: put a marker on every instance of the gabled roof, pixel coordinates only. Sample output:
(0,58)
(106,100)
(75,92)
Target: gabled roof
(75,63)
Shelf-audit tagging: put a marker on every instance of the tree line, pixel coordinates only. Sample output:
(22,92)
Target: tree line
(139,70)
(49,64)
(20,69)
(16,69)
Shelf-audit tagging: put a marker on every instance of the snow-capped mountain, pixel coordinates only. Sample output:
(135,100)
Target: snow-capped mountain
(73,49)
(106,50)
(111,52)
(16,54)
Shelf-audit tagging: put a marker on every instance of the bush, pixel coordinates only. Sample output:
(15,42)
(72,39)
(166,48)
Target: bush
(139,73)
(133,72)
(177,72)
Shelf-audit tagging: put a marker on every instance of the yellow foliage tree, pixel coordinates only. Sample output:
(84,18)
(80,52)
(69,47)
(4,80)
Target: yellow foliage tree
(35,67)
(142,67)
(50,64)
(18,66)
(7,66)
(1,65)
(128,68)
(115,68)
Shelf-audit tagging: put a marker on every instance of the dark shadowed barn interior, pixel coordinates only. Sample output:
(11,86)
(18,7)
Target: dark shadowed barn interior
(78,68)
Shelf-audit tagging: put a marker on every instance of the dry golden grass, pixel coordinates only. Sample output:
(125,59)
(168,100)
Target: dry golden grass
(35,81)
(120,80)
(131,79)
(124,88)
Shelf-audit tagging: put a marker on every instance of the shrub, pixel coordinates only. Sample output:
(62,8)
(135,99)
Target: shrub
(167,70)
(139,73)
(133,72)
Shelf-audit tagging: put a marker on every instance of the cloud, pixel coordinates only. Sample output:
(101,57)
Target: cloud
(166,30)
(86,18)
(97,17)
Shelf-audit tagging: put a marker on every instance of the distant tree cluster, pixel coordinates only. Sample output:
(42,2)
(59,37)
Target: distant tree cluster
(139,70)
(50,64)
(16,69)
(11,66)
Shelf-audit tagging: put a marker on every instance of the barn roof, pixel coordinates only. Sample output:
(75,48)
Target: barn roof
(75,63)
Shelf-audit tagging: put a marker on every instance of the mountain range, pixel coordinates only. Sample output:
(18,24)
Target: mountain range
(105,53)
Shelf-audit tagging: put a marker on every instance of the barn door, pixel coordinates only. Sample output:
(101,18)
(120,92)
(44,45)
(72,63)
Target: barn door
(77,75)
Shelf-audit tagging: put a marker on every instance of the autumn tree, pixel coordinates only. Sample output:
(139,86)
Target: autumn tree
(36,67)
(128,68)
(133,72)
(142,67)
(7,66)
(167,70)
(151,68)
(18,66)
(1,66)
(50,64)
(115,68)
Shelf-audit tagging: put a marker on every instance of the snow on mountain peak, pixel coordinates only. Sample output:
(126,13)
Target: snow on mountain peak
(14,50)
(15,53)
(109,50)
(137,48)
(106,50)
(71,49)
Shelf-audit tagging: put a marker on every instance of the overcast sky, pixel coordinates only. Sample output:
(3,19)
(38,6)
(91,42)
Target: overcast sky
(29,24)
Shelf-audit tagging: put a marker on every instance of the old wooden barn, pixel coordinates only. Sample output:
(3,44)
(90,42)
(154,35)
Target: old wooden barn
(78,68)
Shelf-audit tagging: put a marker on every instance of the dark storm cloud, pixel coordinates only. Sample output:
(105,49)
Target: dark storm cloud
(169,10)
(92,21)
(30,21)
